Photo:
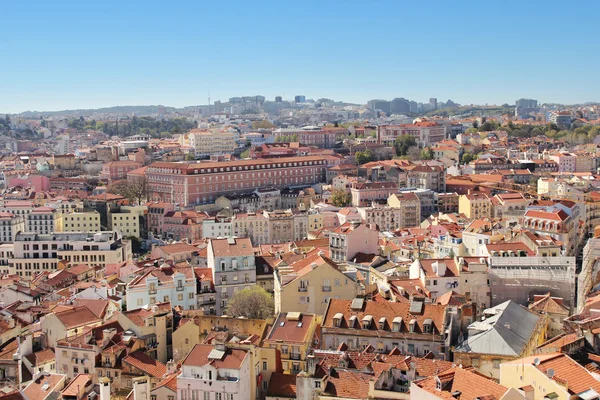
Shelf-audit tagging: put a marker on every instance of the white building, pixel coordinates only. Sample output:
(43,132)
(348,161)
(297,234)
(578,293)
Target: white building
(176,285)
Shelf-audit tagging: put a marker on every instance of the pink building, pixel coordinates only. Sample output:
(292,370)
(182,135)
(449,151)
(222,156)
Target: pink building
(425,133)
(190,184)
(37,182)
(156,214)
(363,194)
(347,240)
(183,224)
(117,170)
(567,162)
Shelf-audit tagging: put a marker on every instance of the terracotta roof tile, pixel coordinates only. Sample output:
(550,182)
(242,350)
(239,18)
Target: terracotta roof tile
(282,385)
(143,362)
(199,356)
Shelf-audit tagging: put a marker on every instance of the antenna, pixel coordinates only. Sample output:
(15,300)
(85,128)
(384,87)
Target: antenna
(209,97)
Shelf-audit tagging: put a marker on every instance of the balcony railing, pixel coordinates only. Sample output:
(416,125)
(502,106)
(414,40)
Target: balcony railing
(327,288)
(151,291)
(295,356)
(302,289)
(180,288)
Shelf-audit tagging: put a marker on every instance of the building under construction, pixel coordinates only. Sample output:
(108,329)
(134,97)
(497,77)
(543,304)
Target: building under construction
(520,278)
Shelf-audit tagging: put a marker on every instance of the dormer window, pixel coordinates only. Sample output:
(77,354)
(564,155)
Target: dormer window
(397,324)
(382,323)
(366,321)
(337,319)
(428,325)
(411,325)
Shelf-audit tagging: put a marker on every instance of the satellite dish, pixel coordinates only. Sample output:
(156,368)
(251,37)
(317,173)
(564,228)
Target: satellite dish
(536,362)
(550,372)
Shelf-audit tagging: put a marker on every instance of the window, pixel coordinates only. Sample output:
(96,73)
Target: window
(496,363)
(180,297)
(264,365)
(76,371)
(284,349)
(140,302)
(475,362)
(218,396)
(206,396)
(191,296)
(317,384)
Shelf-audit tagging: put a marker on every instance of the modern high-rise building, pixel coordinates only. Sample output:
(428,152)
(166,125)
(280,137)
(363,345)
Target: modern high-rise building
(379,104)
(399,106)
(300,99)
(526,103)
(433,103)
(278,99)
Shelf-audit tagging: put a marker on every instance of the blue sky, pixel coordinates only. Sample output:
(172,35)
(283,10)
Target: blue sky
(87,54)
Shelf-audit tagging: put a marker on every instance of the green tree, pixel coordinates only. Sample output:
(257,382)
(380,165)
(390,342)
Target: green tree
(245,153)
(253,302)
(475,124)
(403,143)
(471,131)
(426,154)
(363,157)
(340,198)
(190,157)
(467,158)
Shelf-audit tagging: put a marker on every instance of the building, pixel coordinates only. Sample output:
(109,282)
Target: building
(201,183)
(507,332)
(309,284)
(292,334)
(11,225)
(155,216)
(251,225)
(363,194)
(44,220)
(349,239)
(561,118)
(475,205)
(554,309)
(551,376)
(209,142)
(409,206)
(67,323)
(385,218)
(526,103)
(233,267)
(414,328)
(34,253)
(509,205)
(129,221)
(325,138)
(81,221)
(432,177)
(215,372)
(567,162)
(425,133)
(117,170)
(163,284)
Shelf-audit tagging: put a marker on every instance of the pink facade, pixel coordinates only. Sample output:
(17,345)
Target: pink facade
(37,182)
(200,183)
(156,214)
(117,170)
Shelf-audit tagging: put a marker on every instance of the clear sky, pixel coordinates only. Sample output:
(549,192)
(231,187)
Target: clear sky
(87,54)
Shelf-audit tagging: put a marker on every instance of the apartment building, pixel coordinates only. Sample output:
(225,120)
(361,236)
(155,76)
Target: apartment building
(117,170)
(385,218)
(309,284)
(414,328)
(251,225)
(409,206)
(292,334)
(44,220)
(325,137)
(349,239)
(425,133)
(128,220)
(81,221)
(209,142)
(34,253)
(567,162)
(432,177)
(163,284)
(11,224)
(215,373)
(201,183)
(509,205)
(233,266)
(363,194)
(156,212)
(67,323)
(475,205)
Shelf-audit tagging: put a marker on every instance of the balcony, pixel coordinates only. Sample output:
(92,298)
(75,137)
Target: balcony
(302,289)
(327,288)
(180,288)
(295,356)
(151,291)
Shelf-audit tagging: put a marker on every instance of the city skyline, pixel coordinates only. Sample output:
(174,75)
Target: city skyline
(140,53)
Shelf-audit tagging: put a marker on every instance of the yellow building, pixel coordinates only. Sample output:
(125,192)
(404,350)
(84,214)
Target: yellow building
(127,220)
(207,142)
(307,285)
(292,335)
(553,376)
(476,205)
(315,222)
(86,221)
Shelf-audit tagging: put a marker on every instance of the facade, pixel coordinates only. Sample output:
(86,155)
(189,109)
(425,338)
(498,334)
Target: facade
(309,284)
(365,193)
(385,218)
(325,138)
(165,284)
(432,177)
(215,373)
(34,253)
(128,221)
(44,220)
(84,221)
(475,205)
(117,170)
(425,133)
(156,212)
(207,142)
(414,328)
(201,183)
(11,224)
(251,225)
(409,206)
(233,266)
(349,239)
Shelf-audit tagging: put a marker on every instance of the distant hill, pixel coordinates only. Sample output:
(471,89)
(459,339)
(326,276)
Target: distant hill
(137,110)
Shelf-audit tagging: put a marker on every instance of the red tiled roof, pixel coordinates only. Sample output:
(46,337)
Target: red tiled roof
(77,316)
(469,383)
(143,362)
(198,356)
(297,330)
(282,385)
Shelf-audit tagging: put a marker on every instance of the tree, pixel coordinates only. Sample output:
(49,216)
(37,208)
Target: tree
(426,154)
(190,157)
(403,143)
(135,189)
(340,198)
(471,131)
(363,157)
(467,158)
(475,124)
(245,153)
(253,302)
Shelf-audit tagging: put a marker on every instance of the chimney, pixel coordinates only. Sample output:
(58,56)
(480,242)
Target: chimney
(171,367)
(311,364)
(469,192)
(107,335)
(104,384)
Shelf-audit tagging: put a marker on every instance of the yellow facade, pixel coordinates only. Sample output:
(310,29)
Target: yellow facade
(517,375)
(88,221)
(127,221)
(475,208)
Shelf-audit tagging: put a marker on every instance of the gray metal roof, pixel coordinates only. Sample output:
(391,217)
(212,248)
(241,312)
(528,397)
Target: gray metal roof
(507,333)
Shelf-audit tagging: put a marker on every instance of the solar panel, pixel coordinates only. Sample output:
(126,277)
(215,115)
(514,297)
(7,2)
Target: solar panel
(216,354)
